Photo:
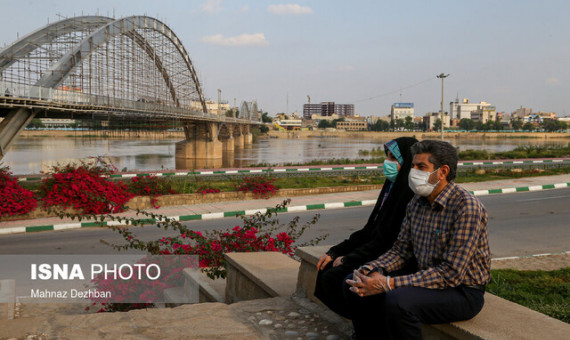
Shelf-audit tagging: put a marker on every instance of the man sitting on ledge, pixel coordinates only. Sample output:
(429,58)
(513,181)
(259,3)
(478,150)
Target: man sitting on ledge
(445,229)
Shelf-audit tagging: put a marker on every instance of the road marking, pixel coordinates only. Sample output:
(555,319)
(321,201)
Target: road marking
(543,198)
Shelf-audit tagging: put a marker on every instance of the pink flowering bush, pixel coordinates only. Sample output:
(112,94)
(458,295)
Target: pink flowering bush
(259,232)
(150,186)
(208,190)
(260,186)
(84,188)
(15,199)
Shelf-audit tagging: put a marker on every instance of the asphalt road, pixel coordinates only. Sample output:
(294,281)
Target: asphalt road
(519,224)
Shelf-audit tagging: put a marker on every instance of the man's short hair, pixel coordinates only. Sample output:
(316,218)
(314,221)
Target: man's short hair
(441,153)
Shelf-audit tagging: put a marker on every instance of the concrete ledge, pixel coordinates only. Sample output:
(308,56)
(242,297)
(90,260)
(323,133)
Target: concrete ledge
(499,319)
(307,276)
(174,297)
(207,290)
(259,275)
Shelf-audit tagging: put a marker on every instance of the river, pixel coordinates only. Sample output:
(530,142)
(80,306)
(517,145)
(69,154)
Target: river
(30,155)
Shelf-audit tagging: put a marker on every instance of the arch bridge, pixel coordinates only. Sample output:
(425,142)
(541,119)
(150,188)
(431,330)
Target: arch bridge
(128,69)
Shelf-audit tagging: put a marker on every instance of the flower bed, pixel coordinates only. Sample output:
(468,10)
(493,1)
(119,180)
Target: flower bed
(15,199)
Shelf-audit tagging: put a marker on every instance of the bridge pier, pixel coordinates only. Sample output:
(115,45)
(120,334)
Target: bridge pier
(228,144)
(201,149)
(11,127)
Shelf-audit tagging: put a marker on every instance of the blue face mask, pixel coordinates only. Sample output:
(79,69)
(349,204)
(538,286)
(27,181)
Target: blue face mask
(390,170)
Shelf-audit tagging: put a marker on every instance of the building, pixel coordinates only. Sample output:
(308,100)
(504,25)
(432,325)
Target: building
(463,109)
(401,111)
(353,125)
(327,109)
(431,117)
(484,114)
(521,113)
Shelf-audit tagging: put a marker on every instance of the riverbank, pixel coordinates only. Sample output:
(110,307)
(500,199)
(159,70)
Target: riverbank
(374,135)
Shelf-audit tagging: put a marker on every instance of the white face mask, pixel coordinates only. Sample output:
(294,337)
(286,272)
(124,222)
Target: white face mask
(418,182)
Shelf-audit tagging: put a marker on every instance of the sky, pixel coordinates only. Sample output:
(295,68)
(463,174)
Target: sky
(370,53)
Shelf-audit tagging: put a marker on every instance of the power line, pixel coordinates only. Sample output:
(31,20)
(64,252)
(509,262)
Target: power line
(393,92)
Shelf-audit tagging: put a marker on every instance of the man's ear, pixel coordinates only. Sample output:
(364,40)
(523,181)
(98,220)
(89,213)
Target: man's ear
(444,171)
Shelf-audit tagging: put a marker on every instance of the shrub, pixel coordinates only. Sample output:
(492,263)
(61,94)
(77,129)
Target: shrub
(150,186)
(15,199)
(84,188)
(260,186)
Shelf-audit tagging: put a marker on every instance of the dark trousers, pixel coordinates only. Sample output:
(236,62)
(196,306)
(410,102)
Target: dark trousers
(329,288)
(398,313)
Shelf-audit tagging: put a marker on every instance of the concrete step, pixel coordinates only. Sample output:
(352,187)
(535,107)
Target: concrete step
(197,284)
(174,297)
(259,275)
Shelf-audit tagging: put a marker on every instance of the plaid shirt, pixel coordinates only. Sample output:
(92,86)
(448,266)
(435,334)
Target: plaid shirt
(448,238)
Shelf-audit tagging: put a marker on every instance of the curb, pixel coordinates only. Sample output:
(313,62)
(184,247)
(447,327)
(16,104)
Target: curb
(529,256)
(209,216)
(218,215)
(300,169)
(520,189)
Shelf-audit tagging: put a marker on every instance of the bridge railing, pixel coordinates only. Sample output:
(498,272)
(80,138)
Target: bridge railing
(74,96)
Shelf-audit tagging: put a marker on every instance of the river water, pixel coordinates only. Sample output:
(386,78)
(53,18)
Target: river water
(30,155)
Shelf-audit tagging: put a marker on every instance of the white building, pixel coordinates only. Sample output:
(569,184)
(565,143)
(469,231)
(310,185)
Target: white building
(401,111)
(431,117)
(464,108)
(484,114)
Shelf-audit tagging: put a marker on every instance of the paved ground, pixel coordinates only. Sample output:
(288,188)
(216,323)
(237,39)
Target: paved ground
(261,319)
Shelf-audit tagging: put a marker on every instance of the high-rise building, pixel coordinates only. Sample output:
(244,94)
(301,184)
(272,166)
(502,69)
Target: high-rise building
(327,109)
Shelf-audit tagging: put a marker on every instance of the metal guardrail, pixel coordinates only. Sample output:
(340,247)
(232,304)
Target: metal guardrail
(76,98)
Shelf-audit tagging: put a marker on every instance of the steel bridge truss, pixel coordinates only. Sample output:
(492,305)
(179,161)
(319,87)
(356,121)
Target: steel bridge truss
(129,68)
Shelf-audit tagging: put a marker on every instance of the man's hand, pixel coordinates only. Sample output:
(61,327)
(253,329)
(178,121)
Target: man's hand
(367,285)
(337,261)
(323,261)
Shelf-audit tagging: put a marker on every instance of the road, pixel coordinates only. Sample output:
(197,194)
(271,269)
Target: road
(519,224)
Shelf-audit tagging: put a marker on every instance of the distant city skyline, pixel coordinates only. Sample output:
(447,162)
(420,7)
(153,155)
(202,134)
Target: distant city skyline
(510,53)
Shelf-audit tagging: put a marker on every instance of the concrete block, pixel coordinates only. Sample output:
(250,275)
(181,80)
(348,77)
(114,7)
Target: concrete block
(259,275)
(205,289)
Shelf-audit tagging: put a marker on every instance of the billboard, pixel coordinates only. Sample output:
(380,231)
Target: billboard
(404,105)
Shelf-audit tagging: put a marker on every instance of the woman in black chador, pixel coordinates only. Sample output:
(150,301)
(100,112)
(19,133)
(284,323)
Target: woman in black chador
(379,233)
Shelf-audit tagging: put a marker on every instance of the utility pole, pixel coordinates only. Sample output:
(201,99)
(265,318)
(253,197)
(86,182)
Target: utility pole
(442,76)
(219,100)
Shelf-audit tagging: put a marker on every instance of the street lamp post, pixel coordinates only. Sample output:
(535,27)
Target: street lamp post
(442,76)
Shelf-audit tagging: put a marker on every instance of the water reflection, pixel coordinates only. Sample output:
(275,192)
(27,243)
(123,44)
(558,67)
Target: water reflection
(30,155)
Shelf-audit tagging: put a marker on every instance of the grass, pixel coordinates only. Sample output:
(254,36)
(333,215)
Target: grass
(547,292)
(524,151)
(192,184)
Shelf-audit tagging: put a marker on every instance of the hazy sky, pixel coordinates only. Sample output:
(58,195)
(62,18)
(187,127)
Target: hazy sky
(510,53)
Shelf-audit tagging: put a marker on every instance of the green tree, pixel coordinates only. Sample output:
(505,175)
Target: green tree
(323,124)
(336,121)
(36,123)
(380,125)
(400,123)
(265,118)
(466,124)
(552,125)
(528,126)
(263,129)
(409,123)
(498,125)
(437,125)
(516,123)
